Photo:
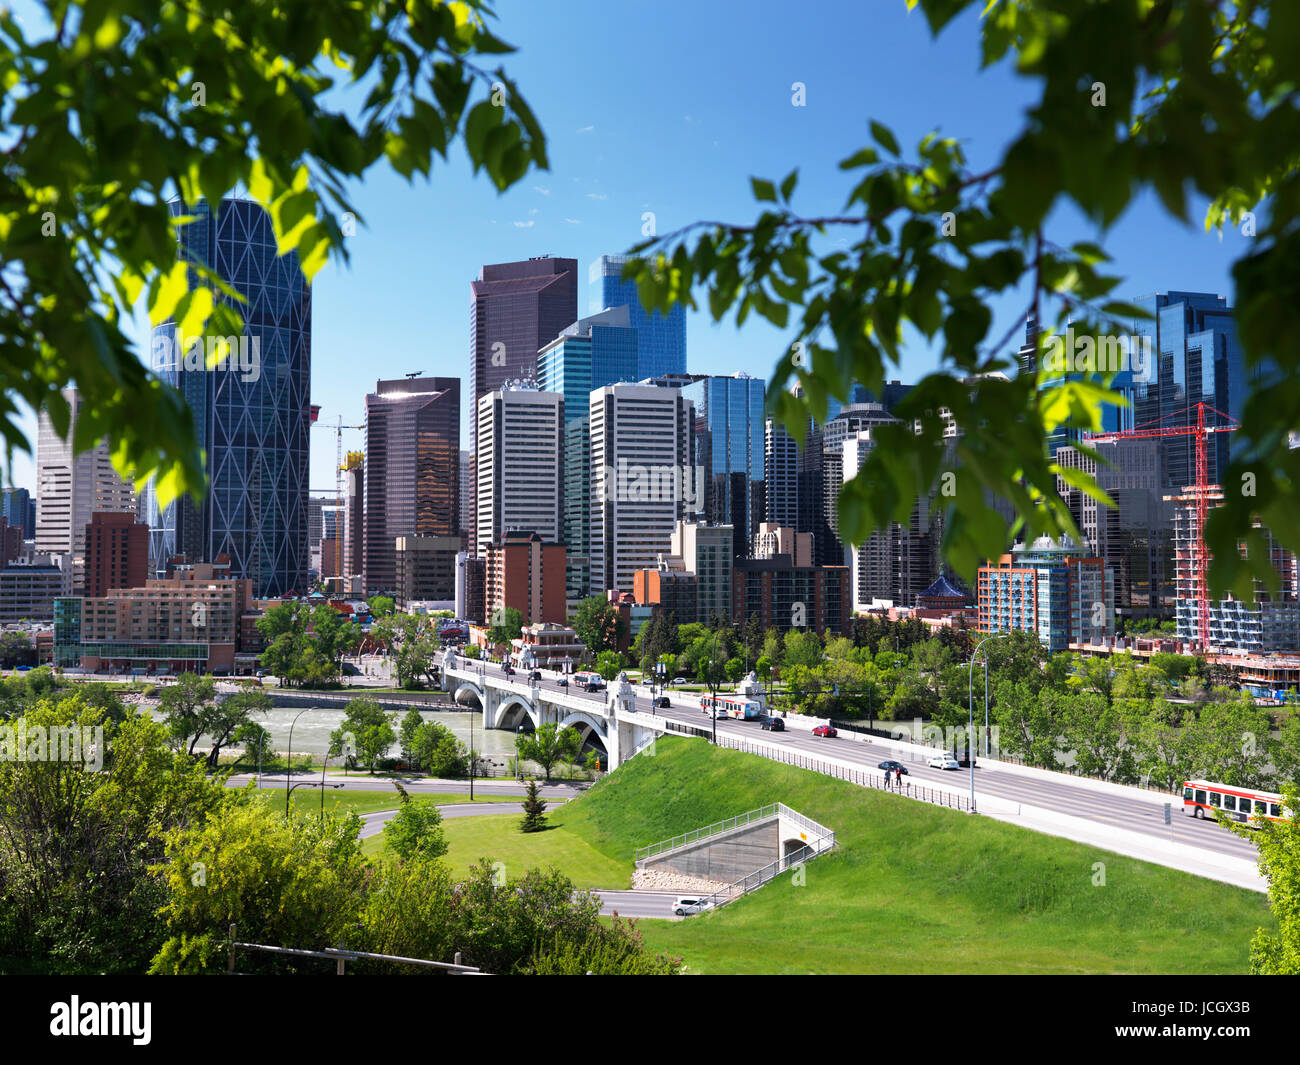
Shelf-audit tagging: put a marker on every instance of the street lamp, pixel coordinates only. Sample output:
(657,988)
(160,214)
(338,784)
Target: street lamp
(289,762)
(970,702)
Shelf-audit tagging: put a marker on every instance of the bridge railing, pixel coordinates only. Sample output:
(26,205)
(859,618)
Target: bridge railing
(867,778)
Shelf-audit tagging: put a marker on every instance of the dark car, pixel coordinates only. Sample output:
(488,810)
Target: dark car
(563,682)
(509,671)
(772,724)
(965,761)
(535,675)
(893,767)
(661,701)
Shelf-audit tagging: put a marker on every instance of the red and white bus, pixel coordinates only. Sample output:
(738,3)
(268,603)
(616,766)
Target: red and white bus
(734,705)
(592,682)
(1201,798)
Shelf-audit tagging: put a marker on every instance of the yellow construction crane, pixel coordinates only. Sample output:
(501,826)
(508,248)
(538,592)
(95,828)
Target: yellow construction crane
(338,485)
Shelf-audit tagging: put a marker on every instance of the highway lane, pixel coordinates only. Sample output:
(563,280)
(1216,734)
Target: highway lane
(1061,795)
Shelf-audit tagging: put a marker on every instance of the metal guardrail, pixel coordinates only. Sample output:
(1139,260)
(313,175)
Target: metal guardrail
(750,817)
(866,778)
(342,957)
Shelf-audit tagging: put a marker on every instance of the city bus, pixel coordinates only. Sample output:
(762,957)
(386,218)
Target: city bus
(589,681)
(734,705)
(1201,798)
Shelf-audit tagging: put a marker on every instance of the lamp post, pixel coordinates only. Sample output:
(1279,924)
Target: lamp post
(289,764)
(970,702)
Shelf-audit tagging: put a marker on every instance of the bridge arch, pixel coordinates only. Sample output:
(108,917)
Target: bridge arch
(591,727)
(513,710)
(467,693)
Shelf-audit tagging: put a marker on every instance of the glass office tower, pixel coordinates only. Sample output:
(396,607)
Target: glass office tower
(251,411)
(661,340)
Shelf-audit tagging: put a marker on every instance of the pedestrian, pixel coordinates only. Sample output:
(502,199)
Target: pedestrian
(898,775)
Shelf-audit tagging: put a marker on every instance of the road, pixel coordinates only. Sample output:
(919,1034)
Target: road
(1061,794)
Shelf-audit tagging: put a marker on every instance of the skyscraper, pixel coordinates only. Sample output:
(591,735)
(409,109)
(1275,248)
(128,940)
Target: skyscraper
(251,410)
(729,448)
(517,309)
(661,340)
(591,353)
(412,471)
(20,509)
(520,455)
(1195,357)
(70,488)
(642,481)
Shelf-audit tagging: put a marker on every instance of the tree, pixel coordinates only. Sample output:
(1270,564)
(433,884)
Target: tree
(184,706)
(407,733)
(208,113)
(802,649)
(76,846)
(1279,860)
(284,881)
(438,752)
(1179,110)
(534,810)
(223,717)
(415,831)
(549,746)
(16,650)
(599,624)
(609,664)
(366,733)
(507,624)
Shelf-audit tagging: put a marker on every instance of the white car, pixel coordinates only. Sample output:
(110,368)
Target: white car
(943,761)
(679,680)
(687,905)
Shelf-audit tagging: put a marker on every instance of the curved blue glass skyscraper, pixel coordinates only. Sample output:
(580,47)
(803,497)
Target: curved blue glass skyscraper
(251,410)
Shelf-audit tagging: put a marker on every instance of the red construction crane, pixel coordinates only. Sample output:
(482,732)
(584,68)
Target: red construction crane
(1200,561)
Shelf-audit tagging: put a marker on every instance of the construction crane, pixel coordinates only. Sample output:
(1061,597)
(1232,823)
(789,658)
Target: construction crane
(1200,556)
(338,484)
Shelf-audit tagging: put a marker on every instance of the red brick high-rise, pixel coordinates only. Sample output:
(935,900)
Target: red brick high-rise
(117,553)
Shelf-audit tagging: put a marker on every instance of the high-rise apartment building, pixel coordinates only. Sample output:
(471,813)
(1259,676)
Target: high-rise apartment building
(589,354)
(1058,591)
(524,572)
(412,469)
(468,476)
(251,410)
(70,487)
(661,339)
(117,553)
(516,310)
(707,552)
(642,481)
(520,454)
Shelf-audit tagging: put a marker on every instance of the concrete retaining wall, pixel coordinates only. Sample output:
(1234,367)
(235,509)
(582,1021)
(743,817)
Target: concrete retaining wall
(728,857)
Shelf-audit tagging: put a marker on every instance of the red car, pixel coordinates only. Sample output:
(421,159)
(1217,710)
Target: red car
(825,730)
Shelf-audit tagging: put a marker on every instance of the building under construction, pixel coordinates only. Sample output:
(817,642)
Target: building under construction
(1270,625)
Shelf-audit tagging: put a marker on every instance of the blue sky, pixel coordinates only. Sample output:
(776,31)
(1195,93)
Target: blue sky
(670,108)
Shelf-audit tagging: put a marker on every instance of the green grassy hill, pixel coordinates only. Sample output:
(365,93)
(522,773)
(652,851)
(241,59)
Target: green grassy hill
(911,888)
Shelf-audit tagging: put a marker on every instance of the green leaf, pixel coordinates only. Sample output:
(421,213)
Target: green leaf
(764,191)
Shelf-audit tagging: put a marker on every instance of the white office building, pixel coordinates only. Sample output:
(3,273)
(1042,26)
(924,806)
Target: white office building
(519,451)
(642,481)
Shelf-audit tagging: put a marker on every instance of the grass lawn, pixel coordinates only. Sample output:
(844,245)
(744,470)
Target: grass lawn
(911,888)
(497,838)
(307,801)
